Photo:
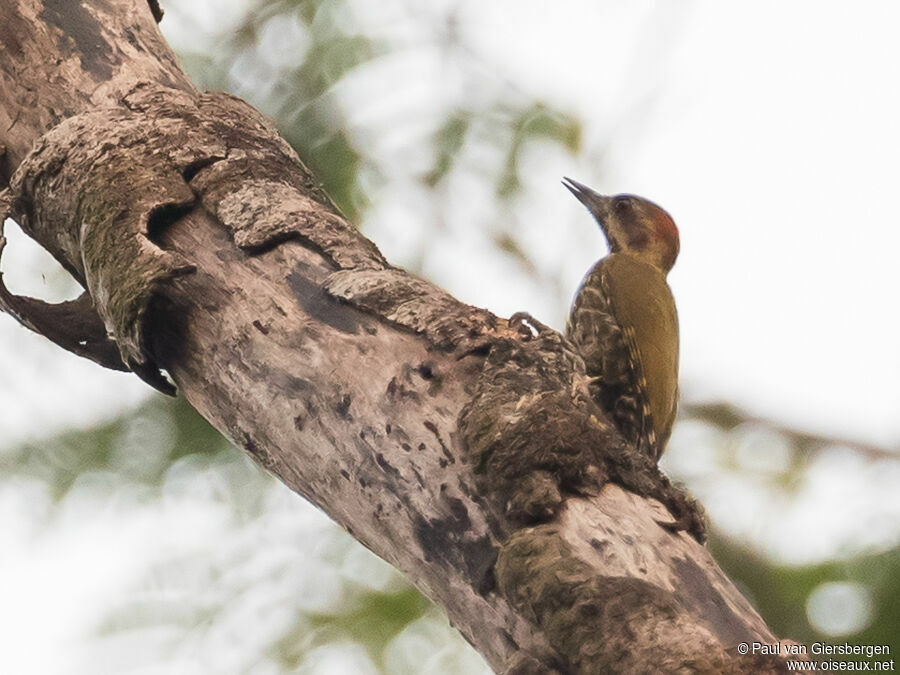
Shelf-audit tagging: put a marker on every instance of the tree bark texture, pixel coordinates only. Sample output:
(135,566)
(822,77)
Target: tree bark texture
(460,447)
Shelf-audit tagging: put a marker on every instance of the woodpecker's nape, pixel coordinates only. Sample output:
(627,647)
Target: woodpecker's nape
(631,224)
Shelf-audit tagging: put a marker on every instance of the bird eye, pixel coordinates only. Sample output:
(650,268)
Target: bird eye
(622,204)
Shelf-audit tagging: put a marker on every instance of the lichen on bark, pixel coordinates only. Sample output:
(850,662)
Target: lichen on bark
(100,187)
(536,435)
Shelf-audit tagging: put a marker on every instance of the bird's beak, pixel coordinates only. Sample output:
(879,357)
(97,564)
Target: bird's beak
(597,204)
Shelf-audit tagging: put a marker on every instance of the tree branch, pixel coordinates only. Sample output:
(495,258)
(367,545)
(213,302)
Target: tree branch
(462,448)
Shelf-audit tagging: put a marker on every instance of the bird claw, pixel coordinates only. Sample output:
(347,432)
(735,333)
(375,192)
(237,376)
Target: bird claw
(526,325)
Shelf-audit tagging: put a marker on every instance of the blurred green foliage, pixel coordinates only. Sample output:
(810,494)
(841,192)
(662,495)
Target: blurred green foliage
(374,620)
(296,95)
(301,98)
(115,448)
(537,121)
(448,142)
(780,592)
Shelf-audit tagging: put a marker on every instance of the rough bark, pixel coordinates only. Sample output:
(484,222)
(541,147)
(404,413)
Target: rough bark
(462,448)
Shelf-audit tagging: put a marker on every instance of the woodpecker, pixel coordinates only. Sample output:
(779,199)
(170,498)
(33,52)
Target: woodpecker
(623,319)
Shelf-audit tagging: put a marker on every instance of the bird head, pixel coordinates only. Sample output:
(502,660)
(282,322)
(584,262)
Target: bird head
(632,225)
